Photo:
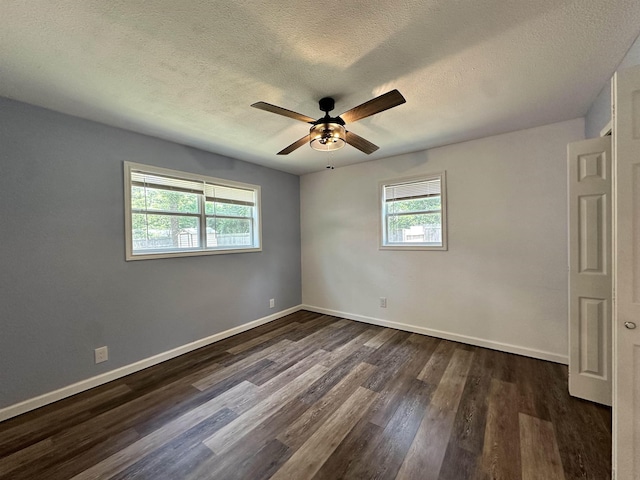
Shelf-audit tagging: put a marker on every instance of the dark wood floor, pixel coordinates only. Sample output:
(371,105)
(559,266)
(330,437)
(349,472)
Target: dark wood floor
(312,396)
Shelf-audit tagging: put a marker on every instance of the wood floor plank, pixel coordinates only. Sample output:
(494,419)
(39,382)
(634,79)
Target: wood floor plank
(221,374)
(388,452)
(314,340)
(339,322)
(22,457)
(264,433)
(571,417)
(437,364)
(381,338)
(261,436)
(131,454)
(425,456)
(228,436)
(342,352)
(469,426)
(263,338)
(230,342)
(316,322)
(270,371)
(529,382)
(335,375)
(294,371)
(305,316)
(294,352)
(360,438)
(83,435)
(308,459)
(390,397)
(501,452)
(342,335)
(49,422)
(260,465)
(390,357)
(150,423)
(184,469)
(302,428)
(64,469)
(177,369)
(394,346)
(447,395)
(178,452)
(281,380)
(503,366)
(459,464)
(539,450)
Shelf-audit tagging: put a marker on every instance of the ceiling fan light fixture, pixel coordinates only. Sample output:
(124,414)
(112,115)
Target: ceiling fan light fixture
(327,136)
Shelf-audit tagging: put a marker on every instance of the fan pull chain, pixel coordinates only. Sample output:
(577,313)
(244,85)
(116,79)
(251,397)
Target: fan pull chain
(330,162)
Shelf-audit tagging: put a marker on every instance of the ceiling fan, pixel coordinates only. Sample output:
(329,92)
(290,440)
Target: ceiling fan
(328,133)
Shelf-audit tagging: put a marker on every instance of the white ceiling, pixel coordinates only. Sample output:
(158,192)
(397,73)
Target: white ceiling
(188,70)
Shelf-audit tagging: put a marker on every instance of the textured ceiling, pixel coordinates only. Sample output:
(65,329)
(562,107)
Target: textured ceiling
(187,70)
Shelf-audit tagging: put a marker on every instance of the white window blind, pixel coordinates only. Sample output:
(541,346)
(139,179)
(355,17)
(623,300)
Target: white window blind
(224,194)
(212,192)
(413,190)
(143,179)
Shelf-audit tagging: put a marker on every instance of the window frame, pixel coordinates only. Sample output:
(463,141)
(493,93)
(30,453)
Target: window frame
(382,214)
(202,216)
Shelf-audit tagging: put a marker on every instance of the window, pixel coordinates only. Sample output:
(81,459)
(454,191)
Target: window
(414,213)
(170,214)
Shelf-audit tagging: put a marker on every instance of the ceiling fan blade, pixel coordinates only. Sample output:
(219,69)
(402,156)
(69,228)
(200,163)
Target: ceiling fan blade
(360,143)
(267,107)
(294,146)
(376,105)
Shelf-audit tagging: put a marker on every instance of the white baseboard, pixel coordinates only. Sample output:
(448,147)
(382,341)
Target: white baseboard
(479,342)
(47,398)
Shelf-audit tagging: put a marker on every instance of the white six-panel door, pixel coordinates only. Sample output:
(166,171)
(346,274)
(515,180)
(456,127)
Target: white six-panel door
(590,276)
(626,315)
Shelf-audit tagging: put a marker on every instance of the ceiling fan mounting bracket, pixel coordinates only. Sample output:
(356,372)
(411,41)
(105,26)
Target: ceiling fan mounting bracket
(327,104)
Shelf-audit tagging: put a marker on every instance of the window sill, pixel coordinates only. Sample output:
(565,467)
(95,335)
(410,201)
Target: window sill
(191,253)
(413,247)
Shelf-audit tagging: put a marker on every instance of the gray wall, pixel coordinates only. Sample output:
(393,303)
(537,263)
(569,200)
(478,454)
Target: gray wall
(599,113)
(65,288)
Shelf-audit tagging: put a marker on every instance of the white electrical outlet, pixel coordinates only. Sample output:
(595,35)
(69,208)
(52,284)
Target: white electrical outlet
(383,302)
(102,354)
(272,303)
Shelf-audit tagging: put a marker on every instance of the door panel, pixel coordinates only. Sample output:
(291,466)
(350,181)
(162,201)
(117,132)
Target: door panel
(590,276)
(593,230)
(593,335)
(626,388)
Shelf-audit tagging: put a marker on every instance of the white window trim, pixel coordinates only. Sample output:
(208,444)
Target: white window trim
(129,255)
(381,212)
